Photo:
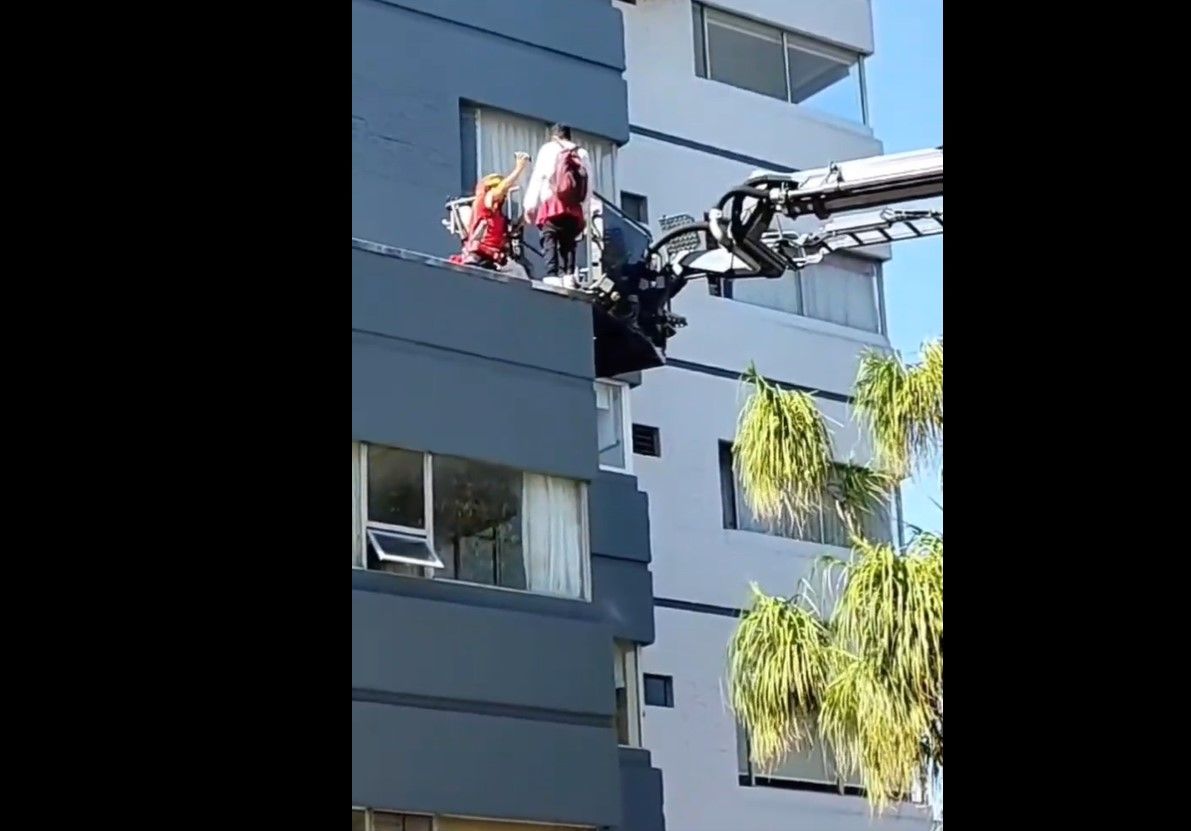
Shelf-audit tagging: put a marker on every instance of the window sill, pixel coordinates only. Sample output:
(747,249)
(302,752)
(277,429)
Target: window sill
(404,579)
(788,539)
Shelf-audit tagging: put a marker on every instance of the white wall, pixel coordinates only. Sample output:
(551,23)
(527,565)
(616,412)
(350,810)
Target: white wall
(694,744)
(695,559)
(666,95)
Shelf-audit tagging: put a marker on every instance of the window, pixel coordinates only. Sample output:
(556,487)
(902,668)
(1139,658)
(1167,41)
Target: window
(634,207)
(612,404)
(841,289)
(659,690)
(810,769)
(418,514)
(785,65)
(824,527)
(628,703)
(499,134)
(365,820)
(647,441)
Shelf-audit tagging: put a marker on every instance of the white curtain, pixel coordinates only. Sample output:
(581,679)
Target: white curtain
(552,531)
(782,293)
(357,530)
(501,134)
(843,290)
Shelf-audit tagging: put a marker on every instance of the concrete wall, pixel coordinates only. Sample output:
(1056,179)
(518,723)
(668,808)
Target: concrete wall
(467,699)
(414,61)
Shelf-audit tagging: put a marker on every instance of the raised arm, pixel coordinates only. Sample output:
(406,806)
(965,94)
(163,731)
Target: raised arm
(498,193)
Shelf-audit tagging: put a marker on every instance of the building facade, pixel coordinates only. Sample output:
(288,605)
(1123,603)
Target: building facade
(501,589)
(725,88)
(546,565)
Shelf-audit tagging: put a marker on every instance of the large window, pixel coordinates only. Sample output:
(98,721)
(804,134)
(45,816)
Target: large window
(824,527)
(841,289)
(780,64)
(628,694)
(457,519)
(810,769)
(499,134)
(612,425)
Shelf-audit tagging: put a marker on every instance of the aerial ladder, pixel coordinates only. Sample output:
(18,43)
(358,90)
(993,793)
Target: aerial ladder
(841,206)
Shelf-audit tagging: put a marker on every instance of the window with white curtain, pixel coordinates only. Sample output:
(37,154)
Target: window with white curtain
(841,289)
(823,526)
(424,515)
(811,768)
(500,134)
(612,425)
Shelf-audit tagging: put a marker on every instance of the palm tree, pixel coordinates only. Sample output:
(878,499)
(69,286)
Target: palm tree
(858,662)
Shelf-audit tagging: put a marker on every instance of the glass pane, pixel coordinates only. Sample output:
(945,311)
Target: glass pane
(396,490)
(387,544)
(610,425)
(782,294)
(417,823)
(807,766)
(828,85)
(382,821)
(745,54)
(477,522)
(358,821)
(697,28)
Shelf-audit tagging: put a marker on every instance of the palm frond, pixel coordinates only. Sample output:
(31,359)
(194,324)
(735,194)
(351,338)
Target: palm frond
(782,452)
(777,661)
(857,492)
(903,405)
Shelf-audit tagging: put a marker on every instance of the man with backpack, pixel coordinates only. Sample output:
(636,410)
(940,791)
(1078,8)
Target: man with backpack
(557,201)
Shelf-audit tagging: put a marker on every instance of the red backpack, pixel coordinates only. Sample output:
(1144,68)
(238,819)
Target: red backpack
(569,181)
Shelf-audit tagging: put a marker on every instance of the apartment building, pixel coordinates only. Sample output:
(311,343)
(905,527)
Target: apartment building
(501,590)
(716,91)
(543,597)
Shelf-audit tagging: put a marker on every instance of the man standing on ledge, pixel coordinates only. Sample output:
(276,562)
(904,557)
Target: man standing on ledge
(557,199)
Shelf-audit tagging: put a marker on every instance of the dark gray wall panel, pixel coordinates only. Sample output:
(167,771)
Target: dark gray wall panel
(619,518)
(641,792)
(437,761)
(411,70)
(423,398)
(623,590)
(440,306)
(431,648)
(538,23)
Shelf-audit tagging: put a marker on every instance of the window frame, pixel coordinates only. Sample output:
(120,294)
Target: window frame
(730,495)
(626,425)
(667,689)
(428,571)
(424,535)
(369,816)
(837,784)
(630,653)
(788,39)
(644,202)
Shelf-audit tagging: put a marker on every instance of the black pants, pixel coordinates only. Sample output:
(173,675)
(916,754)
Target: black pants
(558,245)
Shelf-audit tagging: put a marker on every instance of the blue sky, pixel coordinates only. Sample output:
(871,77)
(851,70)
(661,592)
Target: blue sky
(905,93)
